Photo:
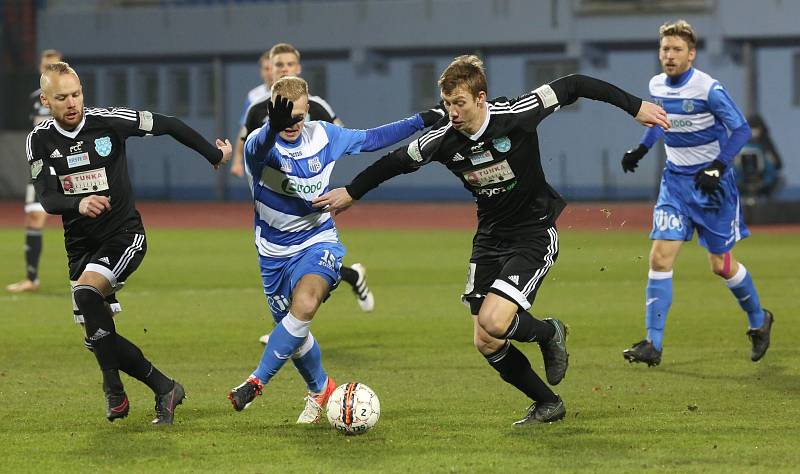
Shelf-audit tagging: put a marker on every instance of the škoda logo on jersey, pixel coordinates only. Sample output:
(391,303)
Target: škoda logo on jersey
(85,182)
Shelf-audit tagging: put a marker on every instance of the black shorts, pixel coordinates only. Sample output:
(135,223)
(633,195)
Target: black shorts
(116,258)
(513,269)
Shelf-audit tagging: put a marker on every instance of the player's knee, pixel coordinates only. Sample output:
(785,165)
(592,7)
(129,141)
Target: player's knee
(84,296)
(492,323)
(304,305)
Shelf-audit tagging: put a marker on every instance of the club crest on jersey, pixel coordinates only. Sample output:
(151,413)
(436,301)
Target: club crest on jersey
(314,165)
(502,144)
(687,105)
(286,165)
(103,146)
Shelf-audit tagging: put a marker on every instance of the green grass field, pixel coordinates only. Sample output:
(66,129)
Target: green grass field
(196,308)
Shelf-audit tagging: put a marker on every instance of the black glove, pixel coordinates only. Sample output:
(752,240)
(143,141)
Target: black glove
(433,115)
(280,114)
(707,179)
(630,160)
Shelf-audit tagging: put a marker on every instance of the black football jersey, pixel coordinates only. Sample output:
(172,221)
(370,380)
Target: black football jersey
(500,165)
(318,109)
(89,160)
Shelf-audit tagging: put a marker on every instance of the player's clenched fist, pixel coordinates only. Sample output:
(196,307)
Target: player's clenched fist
(94,205)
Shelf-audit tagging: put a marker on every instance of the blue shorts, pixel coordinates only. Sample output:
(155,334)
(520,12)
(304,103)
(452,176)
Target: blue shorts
(280,275)
(681,208)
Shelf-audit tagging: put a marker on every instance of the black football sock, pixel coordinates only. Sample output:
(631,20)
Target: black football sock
(33,250)
(100,331)
(525,328)
(515,369)
(349,275)
(134,363)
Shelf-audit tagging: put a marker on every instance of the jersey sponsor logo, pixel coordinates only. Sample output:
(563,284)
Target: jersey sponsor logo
(73,161)
(502,144)
(484,157)
(295,154)
(278,303)
(76,148)
(458,157)
(145,121)
(490,192)
(56,154)
(292,187)
(286,165)
(84,182)
(103,146)
(677,123)
(687,105)
(493,174)
(548,95)
(414,152)
(314,165)
(477,148)
(663,220)
(36,168)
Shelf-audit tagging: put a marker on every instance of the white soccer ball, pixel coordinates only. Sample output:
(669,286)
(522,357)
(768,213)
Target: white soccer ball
(353,408)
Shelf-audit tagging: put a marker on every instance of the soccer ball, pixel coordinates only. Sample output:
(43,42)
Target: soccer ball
(353,408)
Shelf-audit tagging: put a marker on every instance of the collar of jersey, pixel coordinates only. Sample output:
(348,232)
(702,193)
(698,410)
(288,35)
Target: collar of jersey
(682,79)
(480,131)
(73,133)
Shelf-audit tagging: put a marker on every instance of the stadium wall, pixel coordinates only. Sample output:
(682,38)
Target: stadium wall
(367,52)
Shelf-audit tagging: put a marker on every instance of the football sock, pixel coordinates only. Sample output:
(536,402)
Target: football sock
(99,325)
(658,300)
(287,336)
(525,328)
(33,250)
(349,275)
(133,362)
(308,361)
(515,369)
(742,287)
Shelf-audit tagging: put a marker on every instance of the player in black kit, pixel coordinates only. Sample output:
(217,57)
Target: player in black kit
(79,169)
(492,147)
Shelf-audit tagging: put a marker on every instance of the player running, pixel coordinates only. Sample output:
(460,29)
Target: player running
(288,163)
(492,147)
(79,169)
(698,190)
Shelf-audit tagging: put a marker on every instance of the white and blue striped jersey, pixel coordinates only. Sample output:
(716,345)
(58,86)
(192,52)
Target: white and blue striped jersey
(701,113)
(285,181)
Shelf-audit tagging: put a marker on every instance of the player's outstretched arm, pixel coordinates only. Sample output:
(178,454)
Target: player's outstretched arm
(570,88)
(237,163)
(177,129)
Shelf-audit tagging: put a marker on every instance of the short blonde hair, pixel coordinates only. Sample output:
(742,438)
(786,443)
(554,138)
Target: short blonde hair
(290,87)
(465,71)
(681,29)
(59,68)
(282,48)
(52,53)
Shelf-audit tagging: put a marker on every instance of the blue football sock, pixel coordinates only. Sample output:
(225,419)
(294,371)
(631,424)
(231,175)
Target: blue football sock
(308,361)
(287,336)
(659,299)
(742,287)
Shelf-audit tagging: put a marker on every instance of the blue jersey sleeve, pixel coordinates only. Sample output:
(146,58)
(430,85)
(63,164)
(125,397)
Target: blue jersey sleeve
(724,109)
(343,141)
(651,136)
(259,149)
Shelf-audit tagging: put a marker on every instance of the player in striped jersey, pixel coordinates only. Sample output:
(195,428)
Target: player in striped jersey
(79,169)
(492,147)
(289,162)
(35,215)
(698,189)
